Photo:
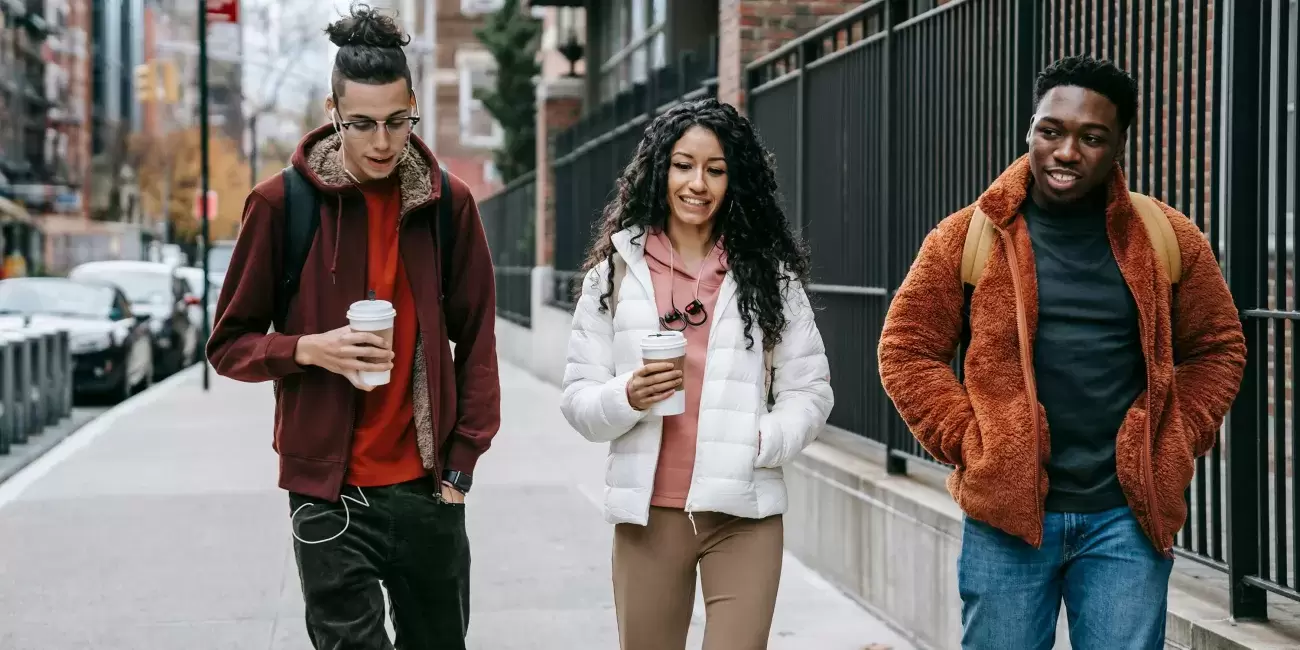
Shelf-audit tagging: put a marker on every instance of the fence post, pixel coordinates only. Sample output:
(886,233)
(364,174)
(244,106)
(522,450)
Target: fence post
(1029,40)
(895,462)
(1240,172)
(800,144)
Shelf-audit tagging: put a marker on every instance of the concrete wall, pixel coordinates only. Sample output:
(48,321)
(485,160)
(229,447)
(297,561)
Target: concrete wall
(892,542)
(889,542)
(540,349)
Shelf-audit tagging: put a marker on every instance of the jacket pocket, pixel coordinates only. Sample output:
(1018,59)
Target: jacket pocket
(1200,442)
(963,447)
(996,479)
(320,427)
(1172,466)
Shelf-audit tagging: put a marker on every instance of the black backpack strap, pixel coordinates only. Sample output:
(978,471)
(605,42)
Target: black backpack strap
(301,220)
(445,243)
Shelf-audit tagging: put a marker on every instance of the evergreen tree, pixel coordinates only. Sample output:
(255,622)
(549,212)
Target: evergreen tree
(512,37)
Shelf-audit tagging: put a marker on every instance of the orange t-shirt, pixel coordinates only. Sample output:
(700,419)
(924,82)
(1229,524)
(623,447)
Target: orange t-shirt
(384,451)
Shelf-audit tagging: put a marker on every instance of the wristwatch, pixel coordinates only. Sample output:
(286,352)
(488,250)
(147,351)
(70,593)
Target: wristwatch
(459,480)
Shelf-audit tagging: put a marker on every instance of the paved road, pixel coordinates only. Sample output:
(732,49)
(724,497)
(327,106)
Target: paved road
(159,526)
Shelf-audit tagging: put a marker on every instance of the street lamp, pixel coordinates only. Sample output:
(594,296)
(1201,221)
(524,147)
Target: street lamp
(572,50)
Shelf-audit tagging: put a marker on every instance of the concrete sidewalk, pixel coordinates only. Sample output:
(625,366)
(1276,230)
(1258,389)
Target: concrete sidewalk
(159,526)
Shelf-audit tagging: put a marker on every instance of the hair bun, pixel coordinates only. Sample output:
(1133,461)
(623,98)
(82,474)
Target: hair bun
(367,27)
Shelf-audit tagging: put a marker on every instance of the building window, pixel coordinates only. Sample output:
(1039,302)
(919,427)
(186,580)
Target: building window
(477,71)
(633,35)
(477,7)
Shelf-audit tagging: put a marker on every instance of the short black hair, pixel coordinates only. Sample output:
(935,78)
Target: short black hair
(1099,76)
(370,49)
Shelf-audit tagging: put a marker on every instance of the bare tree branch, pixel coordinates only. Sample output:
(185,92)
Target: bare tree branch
(294,39)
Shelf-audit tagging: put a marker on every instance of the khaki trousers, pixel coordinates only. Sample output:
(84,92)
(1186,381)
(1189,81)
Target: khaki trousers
(654,579)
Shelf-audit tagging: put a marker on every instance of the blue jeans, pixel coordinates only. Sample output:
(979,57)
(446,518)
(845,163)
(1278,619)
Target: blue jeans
(1115,585)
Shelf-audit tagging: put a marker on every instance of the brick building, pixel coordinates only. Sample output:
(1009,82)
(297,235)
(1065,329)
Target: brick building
(448,64)
(43,69)
(67,87)
(636,56)
(44,136)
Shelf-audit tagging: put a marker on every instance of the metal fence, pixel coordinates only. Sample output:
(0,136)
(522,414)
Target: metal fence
(590,155)
(35,383)
(509,218)
(902,112)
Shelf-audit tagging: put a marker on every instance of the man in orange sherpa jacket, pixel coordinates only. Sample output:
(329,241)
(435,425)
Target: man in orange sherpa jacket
(1092,379)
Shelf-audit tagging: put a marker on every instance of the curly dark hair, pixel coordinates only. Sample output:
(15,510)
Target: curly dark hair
(756,236)
(1097,75)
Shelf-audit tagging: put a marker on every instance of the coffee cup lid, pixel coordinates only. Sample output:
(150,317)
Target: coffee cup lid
(662,340)
(371,310)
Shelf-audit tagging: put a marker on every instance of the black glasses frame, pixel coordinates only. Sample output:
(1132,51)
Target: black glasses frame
(389,124)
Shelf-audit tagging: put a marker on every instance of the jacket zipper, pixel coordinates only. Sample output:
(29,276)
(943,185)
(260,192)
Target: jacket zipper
(352,430)
(1148,472)
(1027,369)
(433,414)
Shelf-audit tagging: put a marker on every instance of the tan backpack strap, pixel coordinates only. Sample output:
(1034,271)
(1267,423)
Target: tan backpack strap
(975,254)
(620,270)
(1161,233)
(767,374)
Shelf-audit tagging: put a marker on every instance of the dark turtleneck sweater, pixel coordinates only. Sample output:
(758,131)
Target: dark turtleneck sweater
(1087,352)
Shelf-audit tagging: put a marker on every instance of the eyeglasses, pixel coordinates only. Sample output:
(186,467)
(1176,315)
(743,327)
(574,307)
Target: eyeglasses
(366,129)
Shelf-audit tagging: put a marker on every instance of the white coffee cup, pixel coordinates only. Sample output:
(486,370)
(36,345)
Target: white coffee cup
(670,347)
(375,316)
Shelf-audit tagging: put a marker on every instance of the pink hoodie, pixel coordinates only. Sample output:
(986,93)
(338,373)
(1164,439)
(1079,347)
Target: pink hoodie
(677,453)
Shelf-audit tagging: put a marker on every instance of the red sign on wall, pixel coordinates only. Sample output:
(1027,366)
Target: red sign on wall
(223,11)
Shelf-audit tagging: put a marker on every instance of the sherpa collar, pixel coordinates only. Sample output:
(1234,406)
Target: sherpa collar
(413,171)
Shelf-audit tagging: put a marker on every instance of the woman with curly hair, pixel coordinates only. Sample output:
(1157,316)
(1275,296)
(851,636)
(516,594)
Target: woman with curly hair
(696,242)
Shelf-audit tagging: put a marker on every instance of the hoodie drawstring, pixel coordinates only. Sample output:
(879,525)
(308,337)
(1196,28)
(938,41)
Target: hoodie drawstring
(338,231)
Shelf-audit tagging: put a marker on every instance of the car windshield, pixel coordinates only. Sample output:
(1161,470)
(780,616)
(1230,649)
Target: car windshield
(32,297)
(219,259)
(138,285)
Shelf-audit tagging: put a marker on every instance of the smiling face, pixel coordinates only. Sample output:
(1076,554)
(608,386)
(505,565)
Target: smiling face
(697,177)
(374,126)
(1075,139)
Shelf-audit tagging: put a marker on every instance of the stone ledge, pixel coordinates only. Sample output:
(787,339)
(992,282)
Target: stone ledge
(1198,615)
(842,477)
(560,88)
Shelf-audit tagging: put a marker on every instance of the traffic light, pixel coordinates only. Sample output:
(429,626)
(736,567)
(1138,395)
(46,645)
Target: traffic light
(171,90)
(146,89)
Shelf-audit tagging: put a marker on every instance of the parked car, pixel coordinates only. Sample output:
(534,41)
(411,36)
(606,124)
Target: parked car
(219,258)
(194,280)
(111,346)
(156,289)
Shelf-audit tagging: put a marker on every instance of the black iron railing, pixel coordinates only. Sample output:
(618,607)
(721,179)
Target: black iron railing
(903,111)
(509,218)
(590,155)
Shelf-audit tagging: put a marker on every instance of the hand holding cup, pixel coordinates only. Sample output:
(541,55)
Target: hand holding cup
(345,352)
(653,383)
(658,384)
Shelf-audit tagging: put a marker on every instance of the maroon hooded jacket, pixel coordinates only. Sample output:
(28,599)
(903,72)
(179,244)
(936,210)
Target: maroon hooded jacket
(456,405)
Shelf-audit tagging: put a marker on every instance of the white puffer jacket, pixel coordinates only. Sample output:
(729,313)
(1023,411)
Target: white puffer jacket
(734,474)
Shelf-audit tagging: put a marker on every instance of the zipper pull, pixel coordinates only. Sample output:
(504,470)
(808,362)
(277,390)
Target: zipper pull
(691,516)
